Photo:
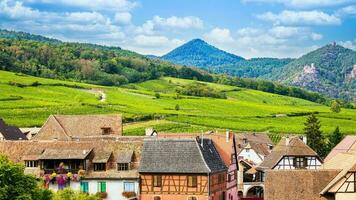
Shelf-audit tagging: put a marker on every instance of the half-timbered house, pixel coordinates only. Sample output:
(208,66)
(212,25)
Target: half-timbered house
(291,153)
(181,169)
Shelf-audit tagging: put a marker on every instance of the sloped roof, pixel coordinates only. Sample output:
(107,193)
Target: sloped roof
(11,132)
(296,184)
(179,156)
(59,154)
(344,146)
(78,126)
(287,146)
(259,142)
(101,156)
(344,162)
(124,156)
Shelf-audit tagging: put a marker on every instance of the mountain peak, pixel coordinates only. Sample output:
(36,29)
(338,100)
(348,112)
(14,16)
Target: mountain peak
(199,53)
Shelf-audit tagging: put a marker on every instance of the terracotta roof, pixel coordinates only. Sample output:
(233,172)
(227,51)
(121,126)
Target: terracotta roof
(101,156)
(60,154)
(11,132)
(296,184)
(67,127)
(287,146)
(180,156)
(259,142)
(124,156)
(344,146)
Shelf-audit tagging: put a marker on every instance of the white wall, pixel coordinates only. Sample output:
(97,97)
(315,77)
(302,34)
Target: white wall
(250,154)
(287,163)
(114,188)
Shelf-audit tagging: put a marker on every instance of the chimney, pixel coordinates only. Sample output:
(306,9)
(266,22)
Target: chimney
(202,139)
(227,135)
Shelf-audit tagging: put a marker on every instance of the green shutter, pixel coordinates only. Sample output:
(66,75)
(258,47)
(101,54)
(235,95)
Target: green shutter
(103,187)
(84,186)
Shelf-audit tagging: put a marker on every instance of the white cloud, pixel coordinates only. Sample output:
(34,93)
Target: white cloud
(285,31)
(171,23)
(115,5)
(123,18)
(178,22)
(348,44)
(348,10)
(288,17)
(219,35)
(316,36)
(303,3)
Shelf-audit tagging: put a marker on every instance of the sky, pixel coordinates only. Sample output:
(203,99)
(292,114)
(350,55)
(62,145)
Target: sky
(248,28)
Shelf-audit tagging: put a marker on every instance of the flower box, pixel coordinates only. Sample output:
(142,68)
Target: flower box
(129,194)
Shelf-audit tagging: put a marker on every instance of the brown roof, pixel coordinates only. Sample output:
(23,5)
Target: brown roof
(60,154)
(288,146)
(68,127)
(101,156)
(124,156)
(296,184)
(260,142)
(15,149)
(344,146)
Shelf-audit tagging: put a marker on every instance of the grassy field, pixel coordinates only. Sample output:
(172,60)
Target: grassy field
(28,101)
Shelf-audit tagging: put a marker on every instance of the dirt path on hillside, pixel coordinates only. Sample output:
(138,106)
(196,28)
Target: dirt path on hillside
(100,93)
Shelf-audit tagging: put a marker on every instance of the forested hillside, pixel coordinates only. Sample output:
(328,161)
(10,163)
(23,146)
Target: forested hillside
(198,53)
(102,65)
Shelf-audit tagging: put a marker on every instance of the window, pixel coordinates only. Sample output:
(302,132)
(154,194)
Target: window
(101,186)
(300,162)
(192,181)
(31,163)
(129,187)
(229,177)
(106,130)
(222,196)
(157,181)
(99,166)
(192,198)
(157,198)
(123,166)
(84,187)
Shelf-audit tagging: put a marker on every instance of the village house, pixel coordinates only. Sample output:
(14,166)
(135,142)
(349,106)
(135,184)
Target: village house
(109,168)
(342,186)
(291,153)
(252,148)
(10,132)
(181,169)
(78,127)
(226,147)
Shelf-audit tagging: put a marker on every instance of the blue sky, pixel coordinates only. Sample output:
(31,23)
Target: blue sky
(249,28)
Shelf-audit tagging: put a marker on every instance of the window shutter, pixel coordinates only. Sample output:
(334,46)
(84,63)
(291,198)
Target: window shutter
(103,187)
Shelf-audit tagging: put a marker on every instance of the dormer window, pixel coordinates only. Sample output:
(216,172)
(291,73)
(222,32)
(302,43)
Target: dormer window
(122,166)
(106,130)
(99,166)
(244,141)
(300,162)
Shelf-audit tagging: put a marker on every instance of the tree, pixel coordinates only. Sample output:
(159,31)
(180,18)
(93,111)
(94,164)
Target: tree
(69,194)
(157,95)
(335,138)
(14,184)
(335,106)
(315,138)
